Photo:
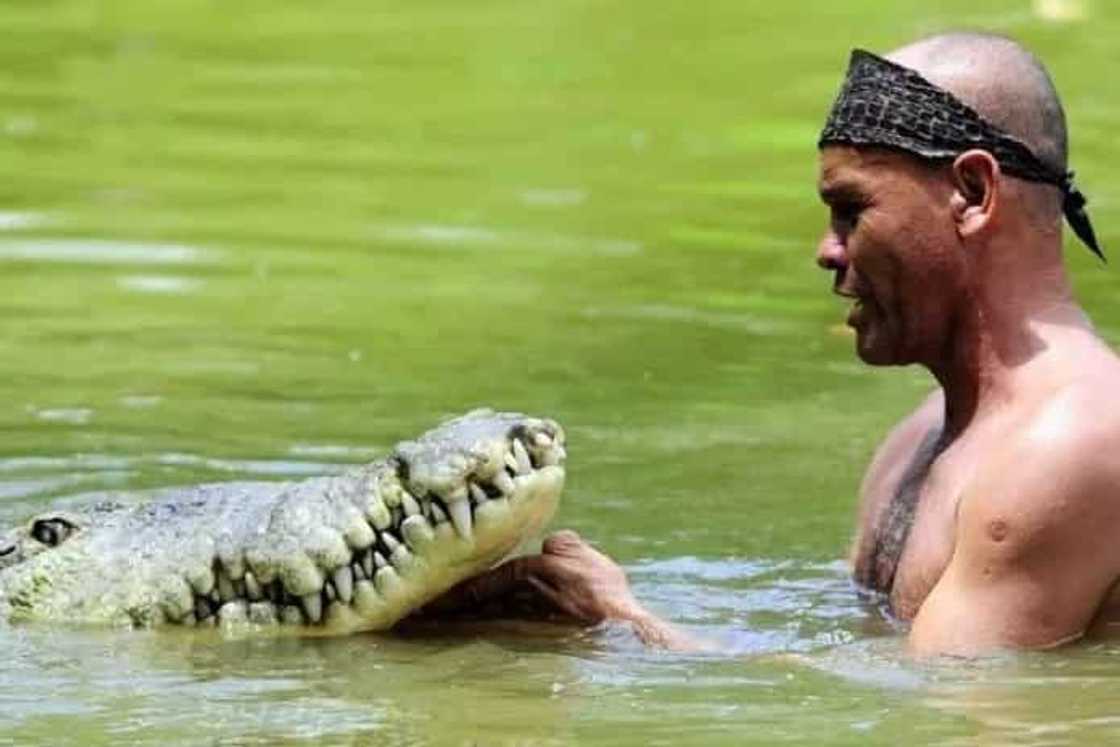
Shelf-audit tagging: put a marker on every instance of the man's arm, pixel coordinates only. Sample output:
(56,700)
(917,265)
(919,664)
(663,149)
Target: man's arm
(1035,553)
(580,581)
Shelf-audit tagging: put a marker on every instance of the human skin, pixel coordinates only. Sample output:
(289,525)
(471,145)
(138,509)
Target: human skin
(1013,463)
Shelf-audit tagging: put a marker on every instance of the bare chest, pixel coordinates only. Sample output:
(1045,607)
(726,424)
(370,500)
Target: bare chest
(910,531)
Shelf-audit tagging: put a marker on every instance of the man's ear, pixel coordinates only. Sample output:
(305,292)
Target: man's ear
(975,197)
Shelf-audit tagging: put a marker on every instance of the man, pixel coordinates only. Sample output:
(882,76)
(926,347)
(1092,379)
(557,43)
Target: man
(990,517)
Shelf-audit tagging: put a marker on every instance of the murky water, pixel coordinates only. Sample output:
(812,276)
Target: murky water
(268,239)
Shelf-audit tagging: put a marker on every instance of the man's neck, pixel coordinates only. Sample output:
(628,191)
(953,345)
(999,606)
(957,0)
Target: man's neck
(1011,318)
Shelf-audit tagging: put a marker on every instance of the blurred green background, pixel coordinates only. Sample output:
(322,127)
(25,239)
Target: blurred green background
(267,240)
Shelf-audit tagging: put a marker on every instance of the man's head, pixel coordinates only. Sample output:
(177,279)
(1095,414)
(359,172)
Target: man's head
(914,238)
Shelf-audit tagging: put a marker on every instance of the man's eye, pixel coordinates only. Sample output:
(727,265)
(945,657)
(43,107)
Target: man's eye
(845,217)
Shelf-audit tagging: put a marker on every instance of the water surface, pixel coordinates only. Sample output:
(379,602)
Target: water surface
(266,240)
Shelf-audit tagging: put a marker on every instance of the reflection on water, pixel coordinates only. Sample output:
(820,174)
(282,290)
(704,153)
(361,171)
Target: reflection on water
(263,241)
(101,252)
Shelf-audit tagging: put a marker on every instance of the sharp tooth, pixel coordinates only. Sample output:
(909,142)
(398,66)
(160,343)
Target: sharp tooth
(225,588)
(439,516)
(504,483)
(391,543)
(329,591)
(411,507)
(252,588)
(366,599)
(417,532)
(403,560)
(379,561)
(367,563)
(358,534)
(553,456)
(461,518)
(478,494)
(524,464)
(232,612)
(301,575)
(357,570)
(378,513)
(511,460)
(387,581)
(313,606)
(391,494)
(543,440)
(344,583)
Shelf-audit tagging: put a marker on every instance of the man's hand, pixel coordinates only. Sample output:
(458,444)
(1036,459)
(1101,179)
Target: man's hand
(569,573)
(575,578)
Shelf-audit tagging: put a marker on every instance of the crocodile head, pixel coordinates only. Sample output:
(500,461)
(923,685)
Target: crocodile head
(357,551)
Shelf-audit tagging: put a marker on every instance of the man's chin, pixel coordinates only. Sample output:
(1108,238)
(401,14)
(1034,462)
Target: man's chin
(875,352)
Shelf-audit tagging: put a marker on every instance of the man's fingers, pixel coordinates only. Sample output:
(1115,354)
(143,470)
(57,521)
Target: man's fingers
(492,583)
(558,542)
(557,599)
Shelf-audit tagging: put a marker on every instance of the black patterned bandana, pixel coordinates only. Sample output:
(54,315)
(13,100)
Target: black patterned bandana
(888,105)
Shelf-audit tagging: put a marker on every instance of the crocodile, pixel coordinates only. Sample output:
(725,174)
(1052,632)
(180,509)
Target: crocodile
(356,551)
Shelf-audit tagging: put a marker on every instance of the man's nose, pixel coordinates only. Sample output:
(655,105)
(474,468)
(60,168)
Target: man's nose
(831,253)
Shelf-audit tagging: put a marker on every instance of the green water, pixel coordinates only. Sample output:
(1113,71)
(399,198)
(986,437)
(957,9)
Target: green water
(266,239)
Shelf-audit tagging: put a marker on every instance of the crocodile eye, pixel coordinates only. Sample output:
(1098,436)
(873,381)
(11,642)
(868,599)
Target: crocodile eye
(52,531)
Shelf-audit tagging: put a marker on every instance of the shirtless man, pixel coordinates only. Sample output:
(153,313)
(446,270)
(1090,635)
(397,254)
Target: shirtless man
(990,517)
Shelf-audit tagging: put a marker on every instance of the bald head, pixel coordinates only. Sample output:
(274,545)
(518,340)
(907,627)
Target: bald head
(1002,81)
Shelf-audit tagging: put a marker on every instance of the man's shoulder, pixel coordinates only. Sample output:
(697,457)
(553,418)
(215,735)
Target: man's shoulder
(1058,465)
(1076,427)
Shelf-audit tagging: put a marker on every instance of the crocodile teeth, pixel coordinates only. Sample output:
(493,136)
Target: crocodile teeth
(553,456)
(252,588)
(233,612)
(478,494)
(409,504)
(225,587)
(391,542)
(504,483)
(511,460)
(461,518)
(378,514)
(417,532)
(313,606)
(379,561)
(344,583)
(359,535)
(524,464)
(543,440)
(367,563)
(387,582)
(439,516)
